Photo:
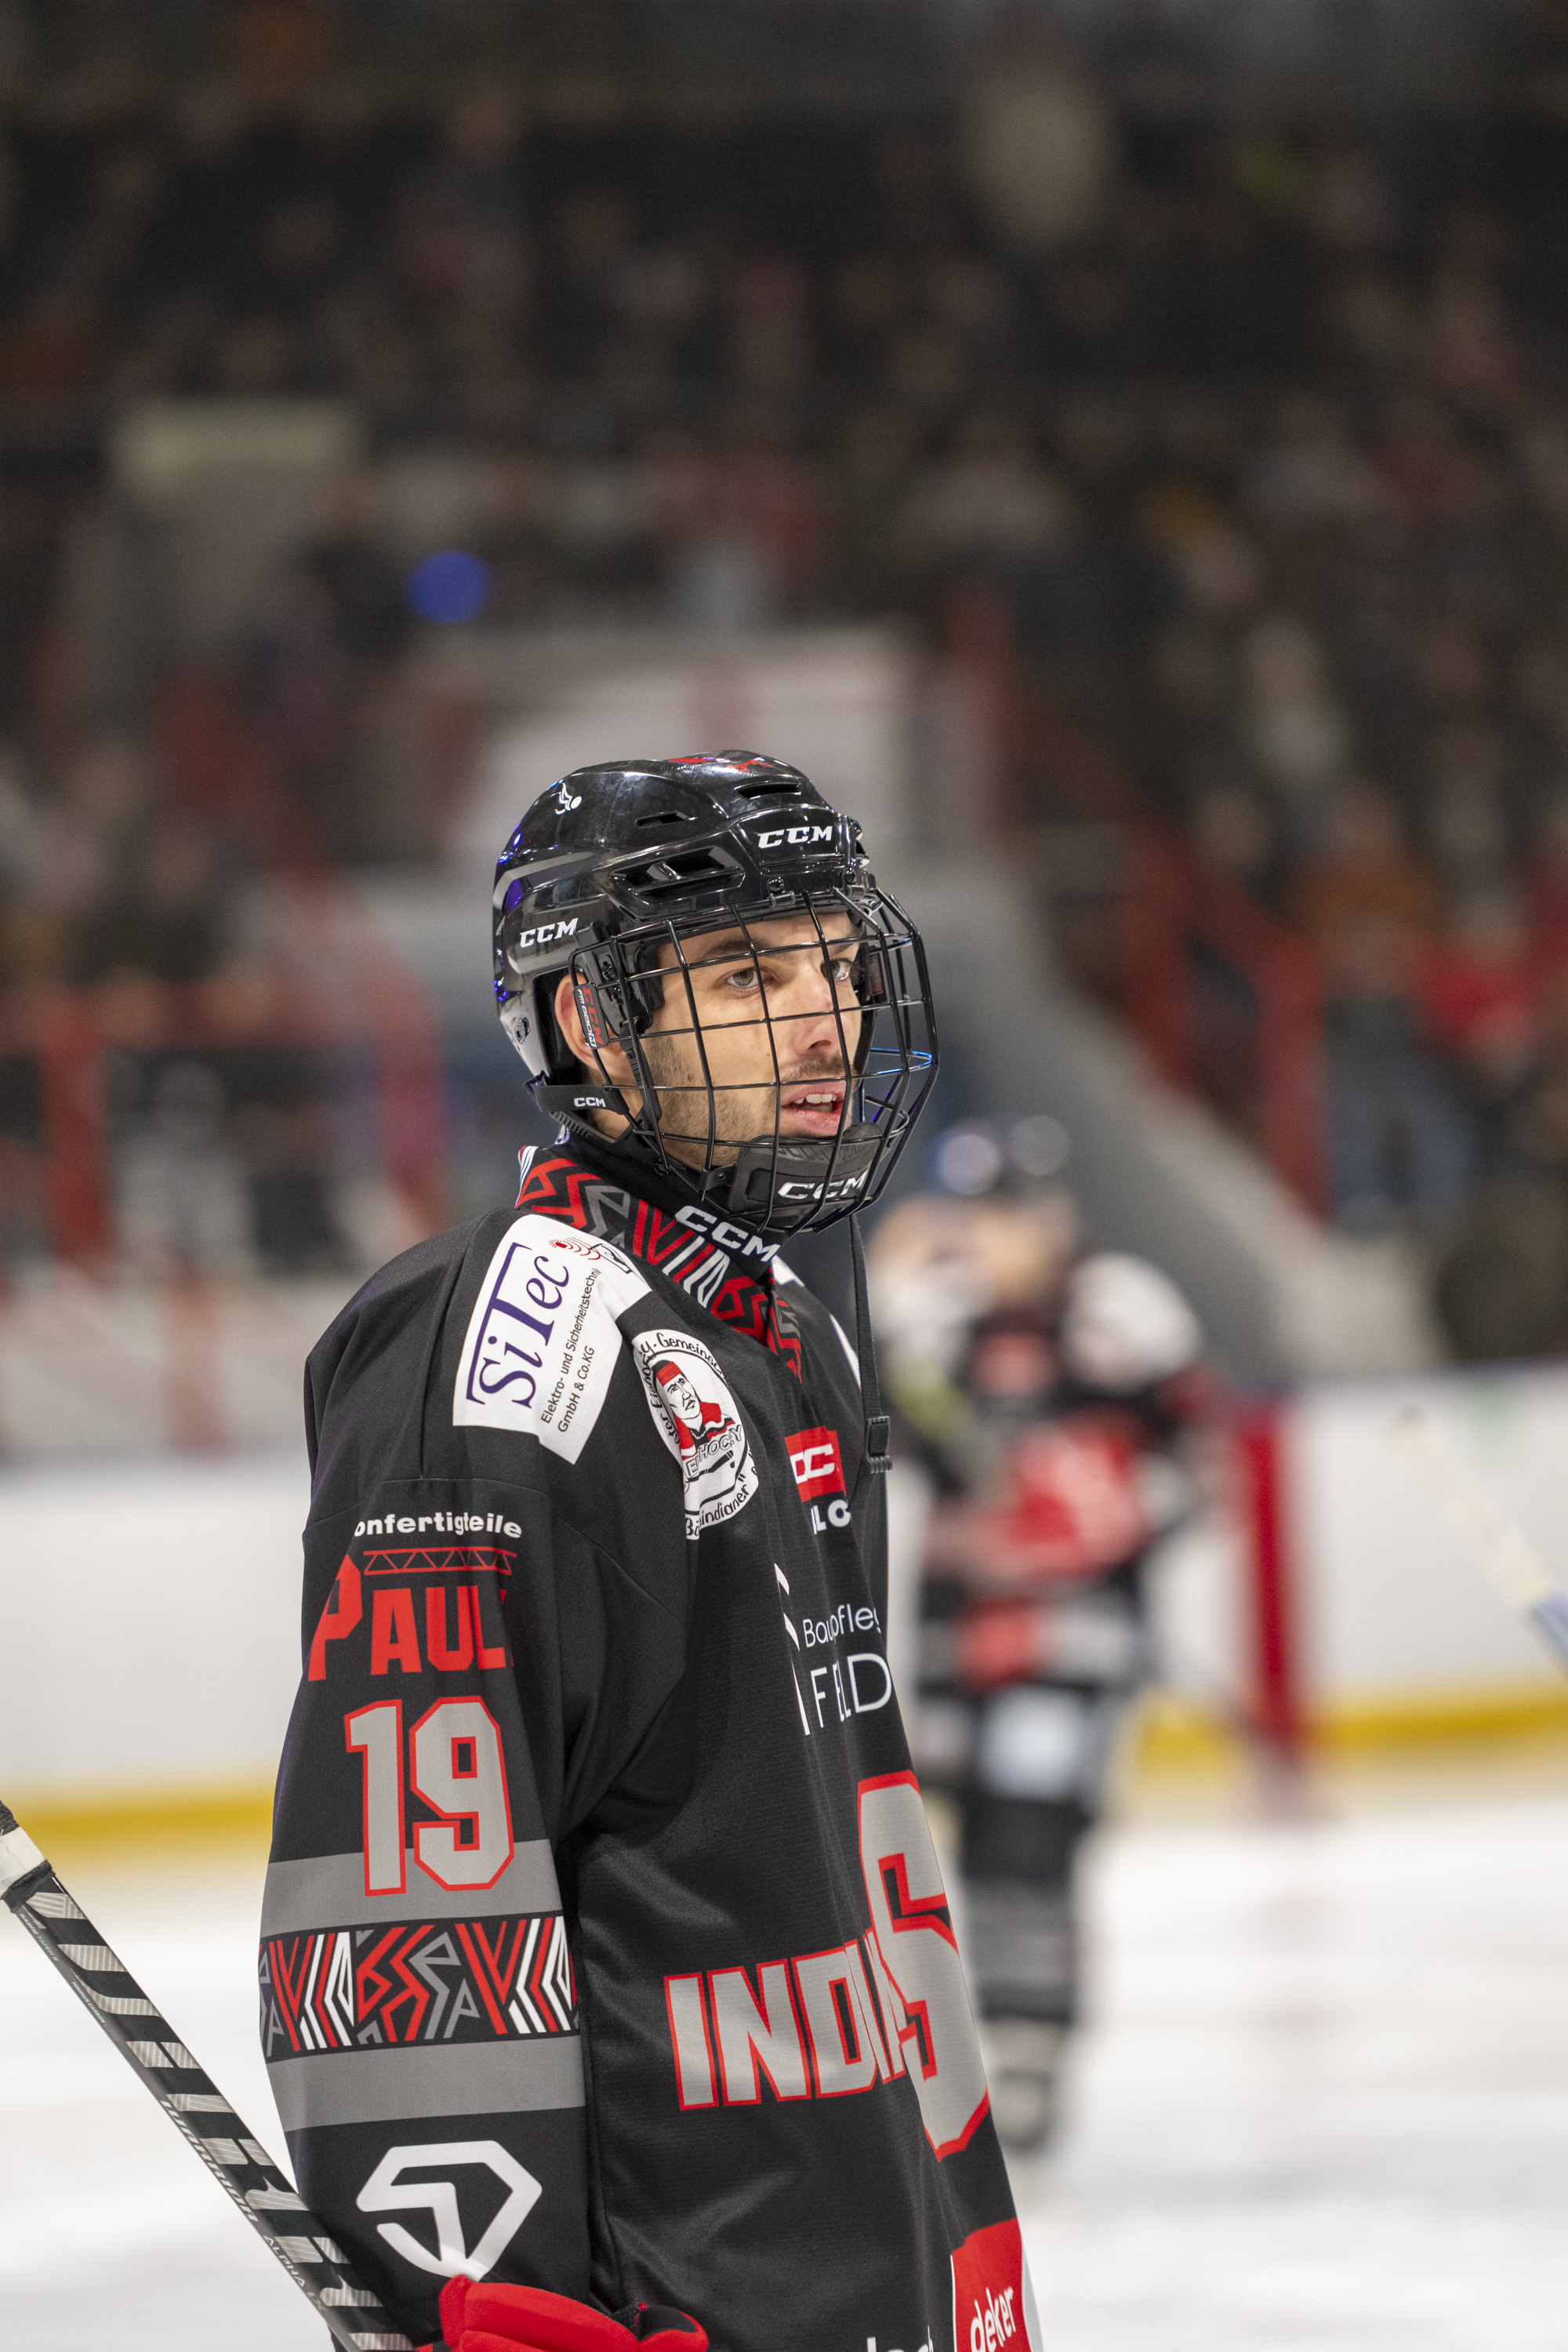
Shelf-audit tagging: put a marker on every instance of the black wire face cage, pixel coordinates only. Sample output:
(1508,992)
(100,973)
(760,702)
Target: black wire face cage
(726,1022)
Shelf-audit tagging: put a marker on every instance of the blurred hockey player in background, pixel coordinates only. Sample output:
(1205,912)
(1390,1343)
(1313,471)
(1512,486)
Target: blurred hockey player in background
(1049,1395)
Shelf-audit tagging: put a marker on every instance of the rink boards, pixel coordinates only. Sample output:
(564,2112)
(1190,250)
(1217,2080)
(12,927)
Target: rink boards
(152,1603)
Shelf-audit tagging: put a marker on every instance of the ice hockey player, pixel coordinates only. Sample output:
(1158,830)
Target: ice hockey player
(1049,1394)
(608,1984)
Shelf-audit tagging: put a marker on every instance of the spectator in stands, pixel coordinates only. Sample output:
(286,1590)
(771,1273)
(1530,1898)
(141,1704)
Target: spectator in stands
(1481,995)
(989,507)
(592,240)
(1400,1148)
(180,1190)
(1293,722)
(1468,835)
(869,484)
(1501,1285)
(164,917)
(88,841)
(753,396)
(1547,872)
(1233,830)
(1308,477)
(25,945)
(768,327)
(284,1125)
(1364,868)
(1349,207)
(768,496)
(746,541)
(1216,563)
(325,668)
(1399,1145)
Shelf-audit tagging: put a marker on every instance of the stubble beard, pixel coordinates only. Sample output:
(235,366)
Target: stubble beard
(740,1114)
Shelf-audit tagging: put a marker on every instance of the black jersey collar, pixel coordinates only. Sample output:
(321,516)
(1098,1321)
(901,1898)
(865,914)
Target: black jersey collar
(725,1268)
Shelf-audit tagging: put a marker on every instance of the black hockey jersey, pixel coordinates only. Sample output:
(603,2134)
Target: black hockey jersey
(605,1946)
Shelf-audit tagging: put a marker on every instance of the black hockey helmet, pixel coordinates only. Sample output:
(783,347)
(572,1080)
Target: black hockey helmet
(616,863)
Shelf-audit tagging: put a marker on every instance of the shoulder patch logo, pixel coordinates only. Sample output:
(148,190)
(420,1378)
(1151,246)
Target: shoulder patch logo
(542,1341)
(700,1421)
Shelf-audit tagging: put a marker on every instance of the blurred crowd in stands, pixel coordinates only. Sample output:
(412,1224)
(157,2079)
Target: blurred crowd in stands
(1262,434)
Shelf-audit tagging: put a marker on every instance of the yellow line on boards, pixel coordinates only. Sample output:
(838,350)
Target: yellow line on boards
(239,1815)
(1455,1716)
(1173,1734)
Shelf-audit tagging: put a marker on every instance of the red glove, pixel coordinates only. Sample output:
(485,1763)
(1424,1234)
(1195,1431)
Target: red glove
(480,2318)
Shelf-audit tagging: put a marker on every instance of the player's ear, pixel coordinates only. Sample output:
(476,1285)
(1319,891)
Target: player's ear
(569,1021)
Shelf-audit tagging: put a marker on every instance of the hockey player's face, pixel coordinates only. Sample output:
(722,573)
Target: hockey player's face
(778,1011)
(774,1011)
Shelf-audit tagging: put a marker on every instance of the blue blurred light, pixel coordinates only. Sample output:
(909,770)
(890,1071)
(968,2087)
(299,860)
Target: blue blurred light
(450,587)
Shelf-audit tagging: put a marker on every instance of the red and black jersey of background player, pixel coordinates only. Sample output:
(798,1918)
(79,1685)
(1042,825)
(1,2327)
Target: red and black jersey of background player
(725,1268)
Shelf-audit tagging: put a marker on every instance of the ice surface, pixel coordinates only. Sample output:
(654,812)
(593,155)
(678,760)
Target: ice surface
(1325,2100)
(1323,2104)
(113,2236)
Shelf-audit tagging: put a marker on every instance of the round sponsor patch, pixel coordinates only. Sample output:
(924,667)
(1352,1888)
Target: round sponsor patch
(700,1421)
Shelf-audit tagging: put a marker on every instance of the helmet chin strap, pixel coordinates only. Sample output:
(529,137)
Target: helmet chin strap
(574,1106)
(776,1174)
(777,1182)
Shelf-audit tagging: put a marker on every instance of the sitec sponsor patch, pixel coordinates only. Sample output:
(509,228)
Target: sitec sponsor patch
(543,1339)
(815,1458)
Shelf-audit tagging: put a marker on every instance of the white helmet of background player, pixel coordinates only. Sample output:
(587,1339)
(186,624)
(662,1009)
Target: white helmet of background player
(1125,1325)
(614,867)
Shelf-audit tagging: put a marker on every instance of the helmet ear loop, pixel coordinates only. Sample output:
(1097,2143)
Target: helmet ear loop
(600,1027)
(916,1071)
(645,1000)
(876,997)
(894,1002)
(868,998)
(645,990)
(890,1073)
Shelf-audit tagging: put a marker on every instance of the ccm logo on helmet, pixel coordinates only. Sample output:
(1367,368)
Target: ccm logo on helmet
(541,935)
(795,834)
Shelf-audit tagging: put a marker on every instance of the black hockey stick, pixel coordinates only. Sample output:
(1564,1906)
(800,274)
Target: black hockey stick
(194,2104)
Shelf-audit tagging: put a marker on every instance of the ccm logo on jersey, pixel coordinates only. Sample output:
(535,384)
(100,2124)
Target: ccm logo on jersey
(818,1467)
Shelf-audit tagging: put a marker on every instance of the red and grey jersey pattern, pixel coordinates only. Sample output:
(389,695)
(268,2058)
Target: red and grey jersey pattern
(605,1946)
